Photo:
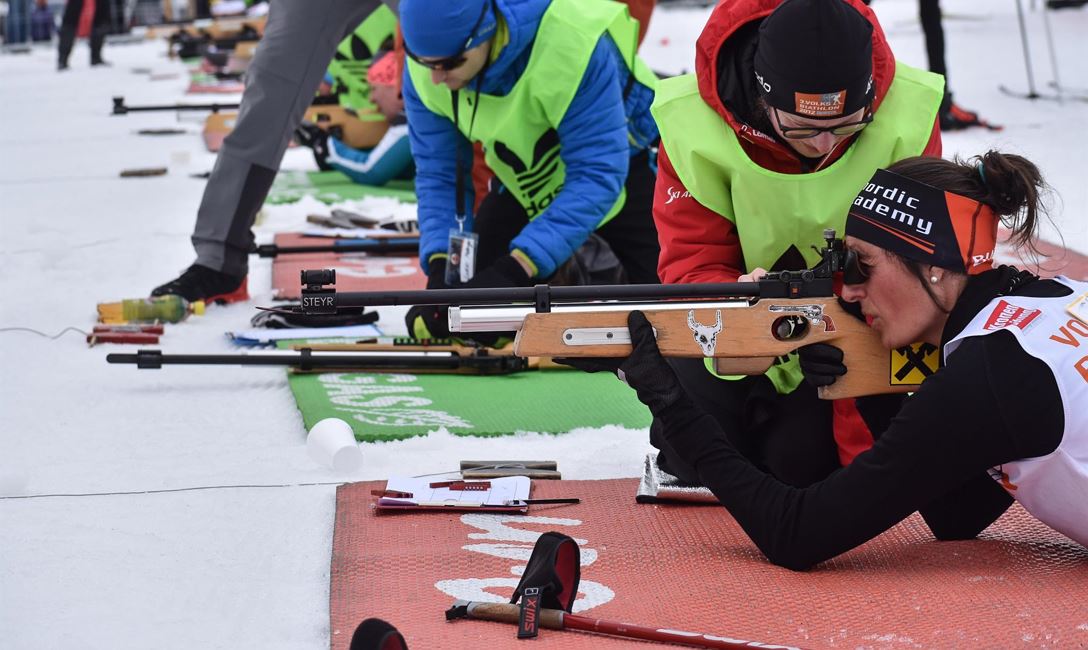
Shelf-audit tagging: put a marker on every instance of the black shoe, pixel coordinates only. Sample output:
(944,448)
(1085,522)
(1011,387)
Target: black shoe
(956,118)
(101,62)
(202,283)
(62,66)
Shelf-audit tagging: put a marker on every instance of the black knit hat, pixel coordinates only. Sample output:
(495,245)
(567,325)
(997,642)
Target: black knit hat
(814,58)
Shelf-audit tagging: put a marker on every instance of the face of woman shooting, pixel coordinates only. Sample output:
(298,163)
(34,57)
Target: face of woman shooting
(895,302)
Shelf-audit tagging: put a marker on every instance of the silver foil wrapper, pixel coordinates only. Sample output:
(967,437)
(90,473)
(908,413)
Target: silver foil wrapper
(657,486)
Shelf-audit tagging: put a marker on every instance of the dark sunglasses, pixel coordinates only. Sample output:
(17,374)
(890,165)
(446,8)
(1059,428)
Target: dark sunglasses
(853,270)
(450,62)
(803,132)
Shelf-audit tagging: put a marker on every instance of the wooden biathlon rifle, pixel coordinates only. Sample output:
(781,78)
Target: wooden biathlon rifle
(397,357)
(744,326)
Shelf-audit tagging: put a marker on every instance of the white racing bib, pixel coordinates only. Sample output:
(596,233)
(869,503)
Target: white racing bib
(1053,488)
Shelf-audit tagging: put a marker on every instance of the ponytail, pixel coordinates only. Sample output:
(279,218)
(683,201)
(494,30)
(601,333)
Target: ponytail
(1010,184)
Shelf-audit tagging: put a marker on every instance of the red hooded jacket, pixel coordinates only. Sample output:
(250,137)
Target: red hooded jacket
(700,245)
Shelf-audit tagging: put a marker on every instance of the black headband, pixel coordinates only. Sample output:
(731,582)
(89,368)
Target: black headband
(923,223)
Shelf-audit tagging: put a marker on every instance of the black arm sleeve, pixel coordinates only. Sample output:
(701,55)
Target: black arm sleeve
(991,405)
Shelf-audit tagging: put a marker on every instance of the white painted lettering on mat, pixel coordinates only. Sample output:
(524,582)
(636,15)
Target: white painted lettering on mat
(371,399)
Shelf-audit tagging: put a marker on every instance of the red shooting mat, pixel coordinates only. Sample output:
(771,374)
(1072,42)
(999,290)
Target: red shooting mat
(354,271)
(691,568)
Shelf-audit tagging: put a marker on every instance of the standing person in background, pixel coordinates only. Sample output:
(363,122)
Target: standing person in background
(953,117)
(42,23)
(16,22)
(792,106)
(298,44)
(556,94)
(70,24)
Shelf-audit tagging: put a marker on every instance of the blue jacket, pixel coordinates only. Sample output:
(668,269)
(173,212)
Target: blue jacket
(598,135)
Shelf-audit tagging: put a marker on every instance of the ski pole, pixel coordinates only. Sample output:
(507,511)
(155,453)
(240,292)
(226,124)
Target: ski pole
(557,619)
(1032,94)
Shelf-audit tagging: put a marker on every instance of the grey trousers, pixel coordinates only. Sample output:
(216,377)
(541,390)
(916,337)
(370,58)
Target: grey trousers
(299,41)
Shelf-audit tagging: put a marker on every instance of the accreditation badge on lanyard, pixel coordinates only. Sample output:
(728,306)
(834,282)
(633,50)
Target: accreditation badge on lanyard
(461,260)
(461,263)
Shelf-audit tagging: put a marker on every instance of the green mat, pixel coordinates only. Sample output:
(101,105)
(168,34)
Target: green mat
(333,187)
(394,407)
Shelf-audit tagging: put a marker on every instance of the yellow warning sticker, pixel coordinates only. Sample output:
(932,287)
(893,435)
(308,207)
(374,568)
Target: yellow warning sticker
(913,363)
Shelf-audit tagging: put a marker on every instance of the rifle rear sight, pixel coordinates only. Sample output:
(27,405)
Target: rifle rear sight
(316,297)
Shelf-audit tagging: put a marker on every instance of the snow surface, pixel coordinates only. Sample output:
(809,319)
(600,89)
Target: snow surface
(178,508)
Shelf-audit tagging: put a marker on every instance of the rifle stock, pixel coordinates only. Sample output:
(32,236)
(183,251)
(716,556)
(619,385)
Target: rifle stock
(744,338)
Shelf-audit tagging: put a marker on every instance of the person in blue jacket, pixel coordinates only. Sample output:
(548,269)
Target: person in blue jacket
(556,95)
(391,157)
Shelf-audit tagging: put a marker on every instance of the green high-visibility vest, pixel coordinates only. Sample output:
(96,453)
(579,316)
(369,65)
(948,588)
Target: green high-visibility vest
(773,211)
(519,130)
(353,57)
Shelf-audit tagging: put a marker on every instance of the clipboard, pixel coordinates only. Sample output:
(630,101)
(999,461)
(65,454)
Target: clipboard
(494,495)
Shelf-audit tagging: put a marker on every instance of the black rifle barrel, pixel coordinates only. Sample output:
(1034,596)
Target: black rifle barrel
(377,245)
(549,294)
(307,359)
(120,108)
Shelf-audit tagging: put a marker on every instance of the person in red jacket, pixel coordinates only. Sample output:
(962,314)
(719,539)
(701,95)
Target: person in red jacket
(792,106)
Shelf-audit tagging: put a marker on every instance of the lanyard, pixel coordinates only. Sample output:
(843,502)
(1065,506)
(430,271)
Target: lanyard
(459,195)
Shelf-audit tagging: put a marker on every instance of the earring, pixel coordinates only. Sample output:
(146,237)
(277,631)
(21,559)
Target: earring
(933,279)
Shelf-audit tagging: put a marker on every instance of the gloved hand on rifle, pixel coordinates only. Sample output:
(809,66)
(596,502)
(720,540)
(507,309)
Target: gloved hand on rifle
(821,363)
(430,321)
(644,369)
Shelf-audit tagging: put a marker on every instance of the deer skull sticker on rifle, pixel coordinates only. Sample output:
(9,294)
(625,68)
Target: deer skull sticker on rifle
(705,335)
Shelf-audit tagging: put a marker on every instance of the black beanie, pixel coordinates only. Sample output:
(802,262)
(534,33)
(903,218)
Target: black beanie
(814,58)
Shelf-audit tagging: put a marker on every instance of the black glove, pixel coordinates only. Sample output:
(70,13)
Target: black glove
(436,273)
(644,369)
(505,272)
(314,137)
(821,363)
(430,321)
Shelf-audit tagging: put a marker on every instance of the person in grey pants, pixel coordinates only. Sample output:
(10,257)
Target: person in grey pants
(299,41)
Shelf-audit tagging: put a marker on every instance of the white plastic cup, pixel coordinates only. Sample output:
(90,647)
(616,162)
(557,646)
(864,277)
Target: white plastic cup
(332,443)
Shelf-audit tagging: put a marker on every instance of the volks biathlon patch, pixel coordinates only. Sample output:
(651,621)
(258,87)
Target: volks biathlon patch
(820,104)
(913,363)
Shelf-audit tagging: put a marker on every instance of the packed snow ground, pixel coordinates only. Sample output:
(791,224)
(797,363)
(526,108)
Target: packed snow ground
(178,508)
